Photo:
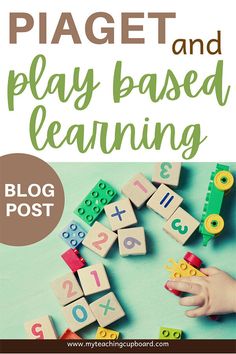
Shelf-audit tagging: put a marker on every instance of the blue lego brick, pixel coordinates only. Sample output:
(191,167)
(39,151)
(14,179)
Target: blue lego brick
(73,234)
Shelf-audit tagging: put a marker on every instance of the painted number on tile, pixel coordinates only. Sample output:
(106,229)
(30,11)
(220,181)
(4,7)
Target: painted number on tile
(176,225)
(37,331)
(140,185)
(68,285)
(83,313)
(103,238)
(95,274)
(165,167)
(130,242)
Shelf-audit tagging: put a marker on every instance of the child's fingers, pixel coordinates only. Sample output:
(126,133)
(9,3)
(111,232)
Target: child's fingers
(186,286)
(200,311)
(209,270)
(194,279)
(191,301)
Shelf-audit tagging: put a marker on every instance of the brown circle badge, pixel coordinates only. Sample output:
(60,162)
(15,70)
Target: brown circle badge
(32,199)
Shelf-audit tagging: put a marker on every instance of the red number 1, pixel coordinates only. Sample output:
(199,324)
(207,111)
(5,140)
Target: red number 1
(140,185)
(95,274)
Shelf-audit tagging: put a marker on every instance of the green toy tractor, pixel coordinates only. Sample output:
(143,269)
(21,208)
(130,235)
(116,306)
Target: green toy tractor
(212,223)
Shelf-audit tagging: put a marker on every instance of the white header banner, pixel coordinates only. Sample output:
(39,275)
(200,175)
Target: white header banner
(118,81)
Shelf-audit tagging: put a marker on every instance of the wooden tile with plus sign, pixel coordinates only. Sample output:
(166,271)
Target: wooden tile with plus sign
(120,214)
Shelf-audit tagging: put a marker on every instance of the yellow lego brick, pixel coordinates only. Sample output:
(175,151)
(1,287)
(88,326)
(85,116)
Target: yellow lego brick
(182,269)
(105,333)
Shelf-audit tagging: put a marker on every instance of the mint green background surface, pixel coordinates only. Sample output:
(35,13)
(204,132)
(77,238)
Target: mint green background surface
(26,272)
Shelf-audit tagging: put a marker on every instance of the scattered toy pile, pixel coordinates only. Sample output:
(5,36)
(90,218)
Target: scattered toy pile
(71,289)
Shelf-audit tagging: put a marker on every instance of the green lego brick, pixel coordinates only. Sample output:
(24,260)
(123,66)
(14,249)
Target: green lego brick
(170,333)
(206,237)
(213,203)
(93,204)
(220,167)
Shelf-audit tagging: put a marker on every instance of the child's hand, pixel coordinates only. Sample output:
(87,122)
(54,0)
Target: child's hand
(213,294)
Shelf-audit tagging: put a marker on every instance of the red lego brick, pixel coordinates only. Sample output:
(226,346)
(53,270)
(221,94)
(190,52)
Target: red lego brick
(193,260)
(69,335)
(173,291)
(214,317)
(73,259)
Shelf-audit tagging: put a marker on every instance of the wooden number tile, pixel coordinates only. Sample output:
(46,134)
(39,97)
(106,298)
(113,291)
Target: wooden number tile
(78,314)
(66,289)
(181,226)
(167,173)
(100,239)
(93,279)
(139,189)
(41,328)
(132,241)
(164,201)
(120,214)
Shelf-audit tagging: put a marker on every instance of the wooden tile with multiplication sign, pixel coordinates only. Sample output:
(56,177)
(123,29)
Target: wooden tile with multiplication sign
(167,173)
(100,239)
(93,279)
(139,189)
(132,241)
(66,289)
(181,225)
(107,309)
(120,214)
(164,201)
(40,328)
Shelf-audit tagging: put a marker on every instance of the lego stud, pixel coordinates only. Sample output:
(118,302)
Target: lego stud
(177,275)
(176,335)
(102,333)
(183,265)
(165,333)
